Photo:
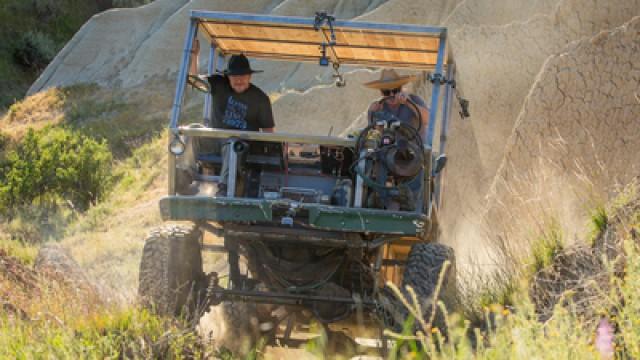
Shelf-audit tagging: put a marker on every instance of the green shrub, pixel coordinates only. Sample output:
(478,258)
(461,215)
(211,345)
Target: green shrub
(56,164)
(44,7)
(35,50)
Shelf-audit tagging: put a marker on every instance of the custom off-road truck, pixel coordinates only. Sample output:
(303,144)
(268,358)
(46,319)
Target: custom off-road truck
(313,226)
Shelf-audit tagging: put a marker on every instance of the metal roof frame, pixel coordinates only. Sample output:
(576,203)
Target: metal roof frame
(343,27)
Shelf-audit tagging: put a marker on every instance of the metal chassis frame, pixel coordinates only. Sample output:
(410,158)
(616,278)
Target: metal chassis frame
(282,298)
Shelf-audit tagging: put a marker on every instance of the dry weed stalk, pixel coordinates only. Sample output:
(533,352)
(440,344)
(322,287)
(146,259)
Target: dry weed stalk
(415,309)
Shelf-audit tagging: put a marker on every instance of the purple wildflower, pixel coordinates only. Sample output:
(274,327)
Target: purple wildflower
(604,339)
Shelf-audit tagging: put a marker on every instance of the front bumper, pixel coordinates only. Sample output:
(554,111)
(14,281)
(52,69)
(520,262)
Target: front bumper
(316,216)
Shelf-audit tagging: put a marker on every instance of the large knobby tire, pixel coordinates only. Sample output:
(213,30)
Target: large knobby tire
(423,270)
(171,275)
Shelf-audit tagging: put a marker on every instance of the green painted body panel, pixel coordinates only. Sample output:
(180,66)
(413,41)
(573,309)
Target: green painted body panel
(322,217)
(366,220)
(220,209)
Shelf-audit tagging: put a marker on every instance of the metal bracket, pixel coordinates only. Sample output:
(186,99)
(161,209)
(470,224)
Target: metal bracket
(441,79)
(464,103)
(340,81)
(321,18)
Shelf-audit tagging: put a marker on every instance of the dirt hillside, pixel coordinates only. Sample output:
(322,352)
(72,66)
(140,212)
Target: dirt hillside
(533,71)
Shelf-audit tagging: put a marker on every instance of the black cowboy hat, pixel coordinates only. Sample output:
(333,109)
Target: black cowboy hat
(239,65)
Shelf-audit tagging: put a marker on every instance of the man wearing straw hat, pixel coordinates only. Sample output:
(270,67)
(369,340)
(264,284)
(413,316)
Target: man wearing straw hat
(407,108)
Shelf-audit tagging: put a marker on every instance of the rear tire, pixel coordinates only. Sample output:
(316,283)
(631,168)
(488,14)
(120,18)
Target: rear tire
(171,276)
(424,266)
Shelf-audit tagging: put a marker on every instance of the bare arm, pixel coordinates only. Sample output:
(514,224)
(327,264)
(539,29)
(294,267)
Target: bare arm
(424,114)
(268,130)
(375,106)
(403,98)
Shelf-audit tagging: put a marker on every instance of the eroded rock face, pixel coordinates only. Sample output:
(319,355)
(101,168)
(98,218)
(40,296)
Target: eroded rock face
(577,137)
(497,65)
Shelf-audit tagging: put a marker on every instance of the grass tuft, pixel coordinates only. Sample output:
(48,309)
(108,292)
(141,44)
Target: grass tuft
(546,248)
(599,222)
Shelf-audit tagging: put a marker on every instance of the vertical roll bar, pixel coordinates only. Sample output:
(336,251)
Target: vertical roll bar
(446,109)
(435,89)
(192,31)
(444,128)
(179,98)
(211,68)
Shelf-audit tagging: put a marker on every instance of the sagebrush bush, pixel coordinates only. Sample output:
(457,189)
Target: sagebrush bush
(35,50)
(53,165)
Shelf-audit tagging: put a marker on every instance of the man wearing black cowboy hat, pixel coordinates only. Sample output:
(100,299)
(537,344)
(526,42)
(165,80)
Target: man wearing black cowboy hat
(236,103)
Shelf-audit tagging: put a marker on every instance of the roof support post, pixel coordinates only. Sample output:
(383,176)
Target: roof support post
(444,128)
(435,89)
(211,69)
(179,98)
(192,31)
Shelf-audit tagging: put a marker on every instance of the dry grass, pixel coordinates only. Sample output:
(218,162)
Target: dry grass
(47,314)
(120,117)
(35,112)
(580,286)
(108,239)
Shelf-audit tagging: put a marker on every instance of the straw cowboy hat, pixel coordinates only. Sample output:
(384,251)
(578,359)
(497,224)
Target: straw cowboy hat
(389,79)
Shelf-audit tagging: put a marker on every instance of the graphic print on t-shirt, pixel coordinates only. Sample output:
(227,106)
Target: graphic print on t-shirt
(235,114)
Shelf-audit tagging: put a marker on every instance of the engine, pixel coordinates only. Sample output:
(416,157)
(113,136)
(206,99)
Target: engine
(390,163)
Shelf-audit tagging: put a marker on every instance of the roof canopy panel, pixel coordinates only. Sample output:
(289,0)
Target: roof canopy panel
(295,38)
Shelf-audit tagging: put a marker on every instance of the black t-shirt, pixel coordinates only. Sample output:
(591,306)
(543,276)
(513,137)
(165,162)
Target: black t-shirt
(250,110)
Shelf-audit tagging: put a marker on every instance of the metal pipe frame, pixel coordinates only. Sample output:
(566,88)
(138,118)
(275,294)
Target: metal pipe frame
(435,90)
(192,31)
(270,137)
(293,20)
(359,195)
(211,68)
(444,129)
(284,298)
(232,158)
(283,235)
(446,109)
